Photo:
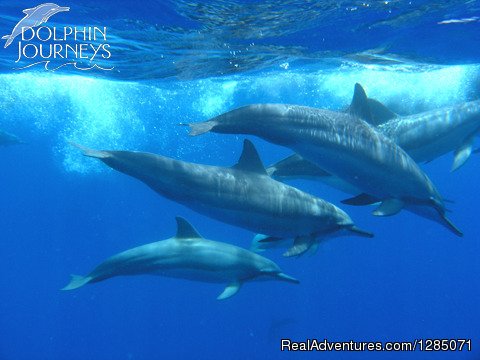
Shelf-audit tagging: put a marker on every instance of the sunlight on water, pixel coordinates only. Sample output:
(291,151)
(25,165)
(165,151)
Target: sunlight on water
(106,114)
(215,97)
(93,112)
(102,116)
(408,91)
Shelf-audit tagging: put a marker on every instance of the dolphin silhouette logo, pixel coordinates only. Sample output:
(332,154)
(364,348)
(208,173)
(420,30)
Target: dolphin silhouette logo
(34,17)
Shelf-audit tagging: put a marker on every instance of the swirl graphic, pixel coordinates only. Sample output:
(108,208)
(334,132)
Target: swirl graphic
(73,63)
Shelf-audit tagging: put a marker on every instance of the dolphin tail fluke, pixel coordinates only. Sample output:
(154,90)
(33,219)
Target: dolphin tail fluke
(201,127)
(230,290)
(8,42)
(287,278)
(90,152)
(77,281)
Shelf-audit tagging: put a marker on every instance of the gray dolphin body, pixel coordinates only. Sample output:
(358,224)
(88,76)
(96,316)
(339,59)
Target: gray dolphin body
(9,139)
(34,17)
(188,256)
(344,145)
(423,136)
(243,195)
(430,134)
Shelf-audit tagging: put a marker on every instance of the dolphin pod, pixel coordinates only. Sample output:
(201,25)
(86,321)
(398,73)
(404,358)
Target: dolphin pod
(243,195)
(345,145)
(360,150)
(188,256)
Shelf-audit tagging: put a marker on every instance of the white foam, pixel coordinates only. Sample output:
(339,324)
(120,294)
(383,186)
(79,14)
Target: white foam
(119,115)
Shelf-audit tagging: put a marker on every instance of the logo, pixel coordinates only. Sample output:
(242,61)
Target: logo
(84,48)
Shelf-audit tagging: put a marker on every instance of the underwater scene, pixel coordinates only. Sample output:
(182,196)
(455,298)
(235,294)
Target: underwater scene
(239,179)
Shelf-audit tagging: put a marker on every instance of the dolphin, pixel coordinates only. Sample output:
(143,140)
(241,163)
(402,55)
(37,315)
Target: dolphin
(344,145)
(424,136)
(430,134)
(34,17)
(9,139)
(188,256)
(243,195)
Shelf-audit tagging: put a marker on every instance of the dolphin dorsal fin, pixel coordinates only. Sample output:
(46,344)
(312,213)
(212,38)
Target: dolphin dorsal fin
(380,113)
(359,106)
(185,230)
(250,160)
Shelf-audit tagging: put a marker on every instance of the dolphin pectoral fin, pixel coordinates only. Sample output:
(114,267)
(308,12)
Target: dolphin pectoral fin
(5,36)
(267,239)
(90,152)
(313,248)
(77,281)
(230,290)
(201,127)
(360,232)
(250,160)
(287,278)
(300,245)
(462,154)
(389,207)
(360,200)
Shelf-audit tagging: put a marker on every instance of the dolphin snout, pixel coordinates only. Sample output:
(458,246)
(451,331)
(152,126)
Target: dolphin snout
(360,232)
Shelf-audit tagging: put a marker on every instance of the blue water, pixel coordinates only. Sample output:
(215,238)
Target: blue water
(62,213)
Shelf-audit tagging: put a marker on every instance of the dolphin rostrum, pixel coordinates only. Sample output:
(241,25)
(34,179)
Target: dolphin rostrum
(9,139)
(344,145)
(243,195)
(188,256)
(34,17)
